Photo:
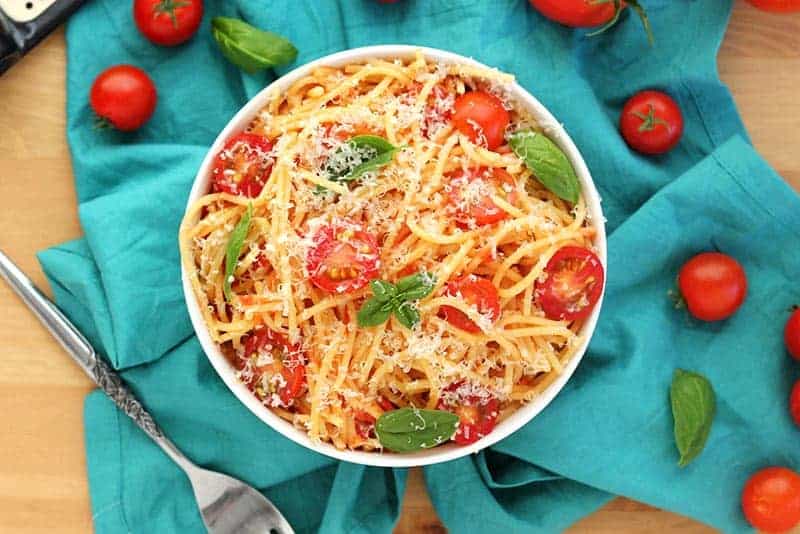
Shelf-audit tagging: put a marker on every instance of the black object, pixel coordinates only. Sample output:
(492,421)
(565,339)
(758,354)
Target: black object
(18,38)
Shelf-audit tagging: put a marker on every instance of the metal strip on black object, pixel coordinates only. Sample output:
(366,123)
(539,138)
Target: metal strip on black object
(17,38)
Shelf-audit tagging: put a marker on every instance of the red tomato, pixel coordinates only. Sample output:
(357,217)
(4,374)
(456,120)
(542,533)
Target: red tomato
(475,291)
(243,166)
(385,403)
(651,122)
(572,285)
(577,13)
(168,22)
(343,258)
(470,192)
(777,6)
(481,117)
(125,96)
(794,403)
(771,499)
(364,423)
(791,334)
(477,414)
(287,360)
(713,284)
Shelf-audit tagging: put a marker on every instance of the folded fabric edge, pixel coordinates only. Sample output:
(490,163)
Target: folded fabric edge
(745,166)
(74,305)
(104,463)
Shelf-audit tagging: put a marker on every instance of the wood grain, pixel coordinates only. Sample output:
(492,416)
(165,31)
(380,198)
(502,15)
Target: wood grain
(43,474)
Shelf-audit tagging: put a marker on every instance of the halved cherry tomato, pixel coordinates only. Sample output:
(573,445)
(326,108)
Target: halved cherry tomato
(572,285)
(777,6)
(243,166)
(343,258)
(713,285)
(438,108)
(470,193)
(651,122)
(791,334)
(168,22)
(481,117)
(125,96)
(287,360)
(771,499)
(475,291)
(477,414)
(364,423)
(385,404)
(794,403)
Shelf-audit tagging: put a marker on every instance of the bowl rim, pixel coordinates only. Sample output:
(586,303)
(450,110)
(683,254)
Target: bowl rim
(555,131)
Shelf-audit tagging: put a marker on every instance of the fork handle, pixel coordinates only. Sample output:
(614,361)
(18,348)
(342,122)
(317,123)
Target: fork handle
(76,345)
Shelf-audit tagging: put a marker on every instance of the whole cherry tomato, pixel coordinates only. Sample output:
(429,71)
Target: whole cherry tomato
(168,22)
(590,13)
(794,403)
(771,499)
(651,122)
(578,13)
(777,6)
(713,284)
(791,334)
(123,95)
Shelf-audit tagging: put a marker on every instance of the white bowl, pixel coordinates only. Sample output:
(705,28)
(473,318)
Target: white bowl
(445,452)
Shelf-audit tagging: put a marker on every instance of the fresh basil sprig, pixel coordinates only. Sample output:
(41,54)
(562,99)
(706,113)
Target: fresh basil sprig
(234,249)
(360,154)
(388,298)
(249,48)
(693,408)
(412,429)
(547,162)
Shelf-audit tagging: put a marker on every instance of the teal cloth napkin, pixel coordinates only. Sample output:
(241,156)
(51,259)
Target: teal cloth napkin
(608,433)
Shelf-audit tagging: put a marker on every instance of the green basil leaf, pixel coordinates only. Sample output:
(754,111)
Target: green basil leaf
(382,290)
(413,429)
(374,312)
(416,286)
(547,162)
(407,314)
(693,408)
(362,153)
(234,249)
(249,48)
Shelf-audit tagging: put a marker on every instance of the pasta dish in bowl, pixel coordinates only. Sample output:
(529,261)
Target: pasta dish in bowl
(394,256)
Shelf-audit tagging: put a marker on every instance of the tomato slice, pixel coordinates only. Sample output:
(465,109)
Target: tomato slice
(385,404)
(477,414)
(572,286)
(470,194)
(365,423)
(270,353)
(343,258)
(481,117)
(243,166)
(476,291)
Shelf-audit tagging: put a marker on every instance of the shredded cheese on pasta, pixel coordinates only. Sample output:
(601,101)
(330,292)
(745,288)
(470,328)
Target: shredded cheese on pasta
(351,372)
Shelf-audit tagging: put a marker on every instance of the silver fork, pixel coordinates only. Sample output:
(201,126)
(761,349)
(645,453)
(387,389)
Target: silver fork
(227,505)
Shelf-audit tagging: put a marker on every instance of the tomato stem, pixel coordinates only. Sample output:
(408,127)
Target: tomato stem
(101,123)
(636,6)
(168,7)
(649,121)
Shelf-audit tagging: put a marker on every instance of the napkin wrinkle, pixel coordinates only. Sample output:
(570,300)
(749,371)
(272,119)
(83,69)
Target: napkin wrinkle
(504,471)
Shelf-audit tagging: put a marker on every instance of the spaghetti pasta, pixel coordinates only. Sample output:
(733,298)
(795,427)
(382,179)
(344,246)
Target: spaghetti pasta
(444,204)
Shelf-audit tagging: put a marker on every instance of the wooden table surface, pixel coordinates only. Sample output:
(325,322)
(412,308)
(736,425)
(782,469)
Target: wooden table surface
(43,486)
